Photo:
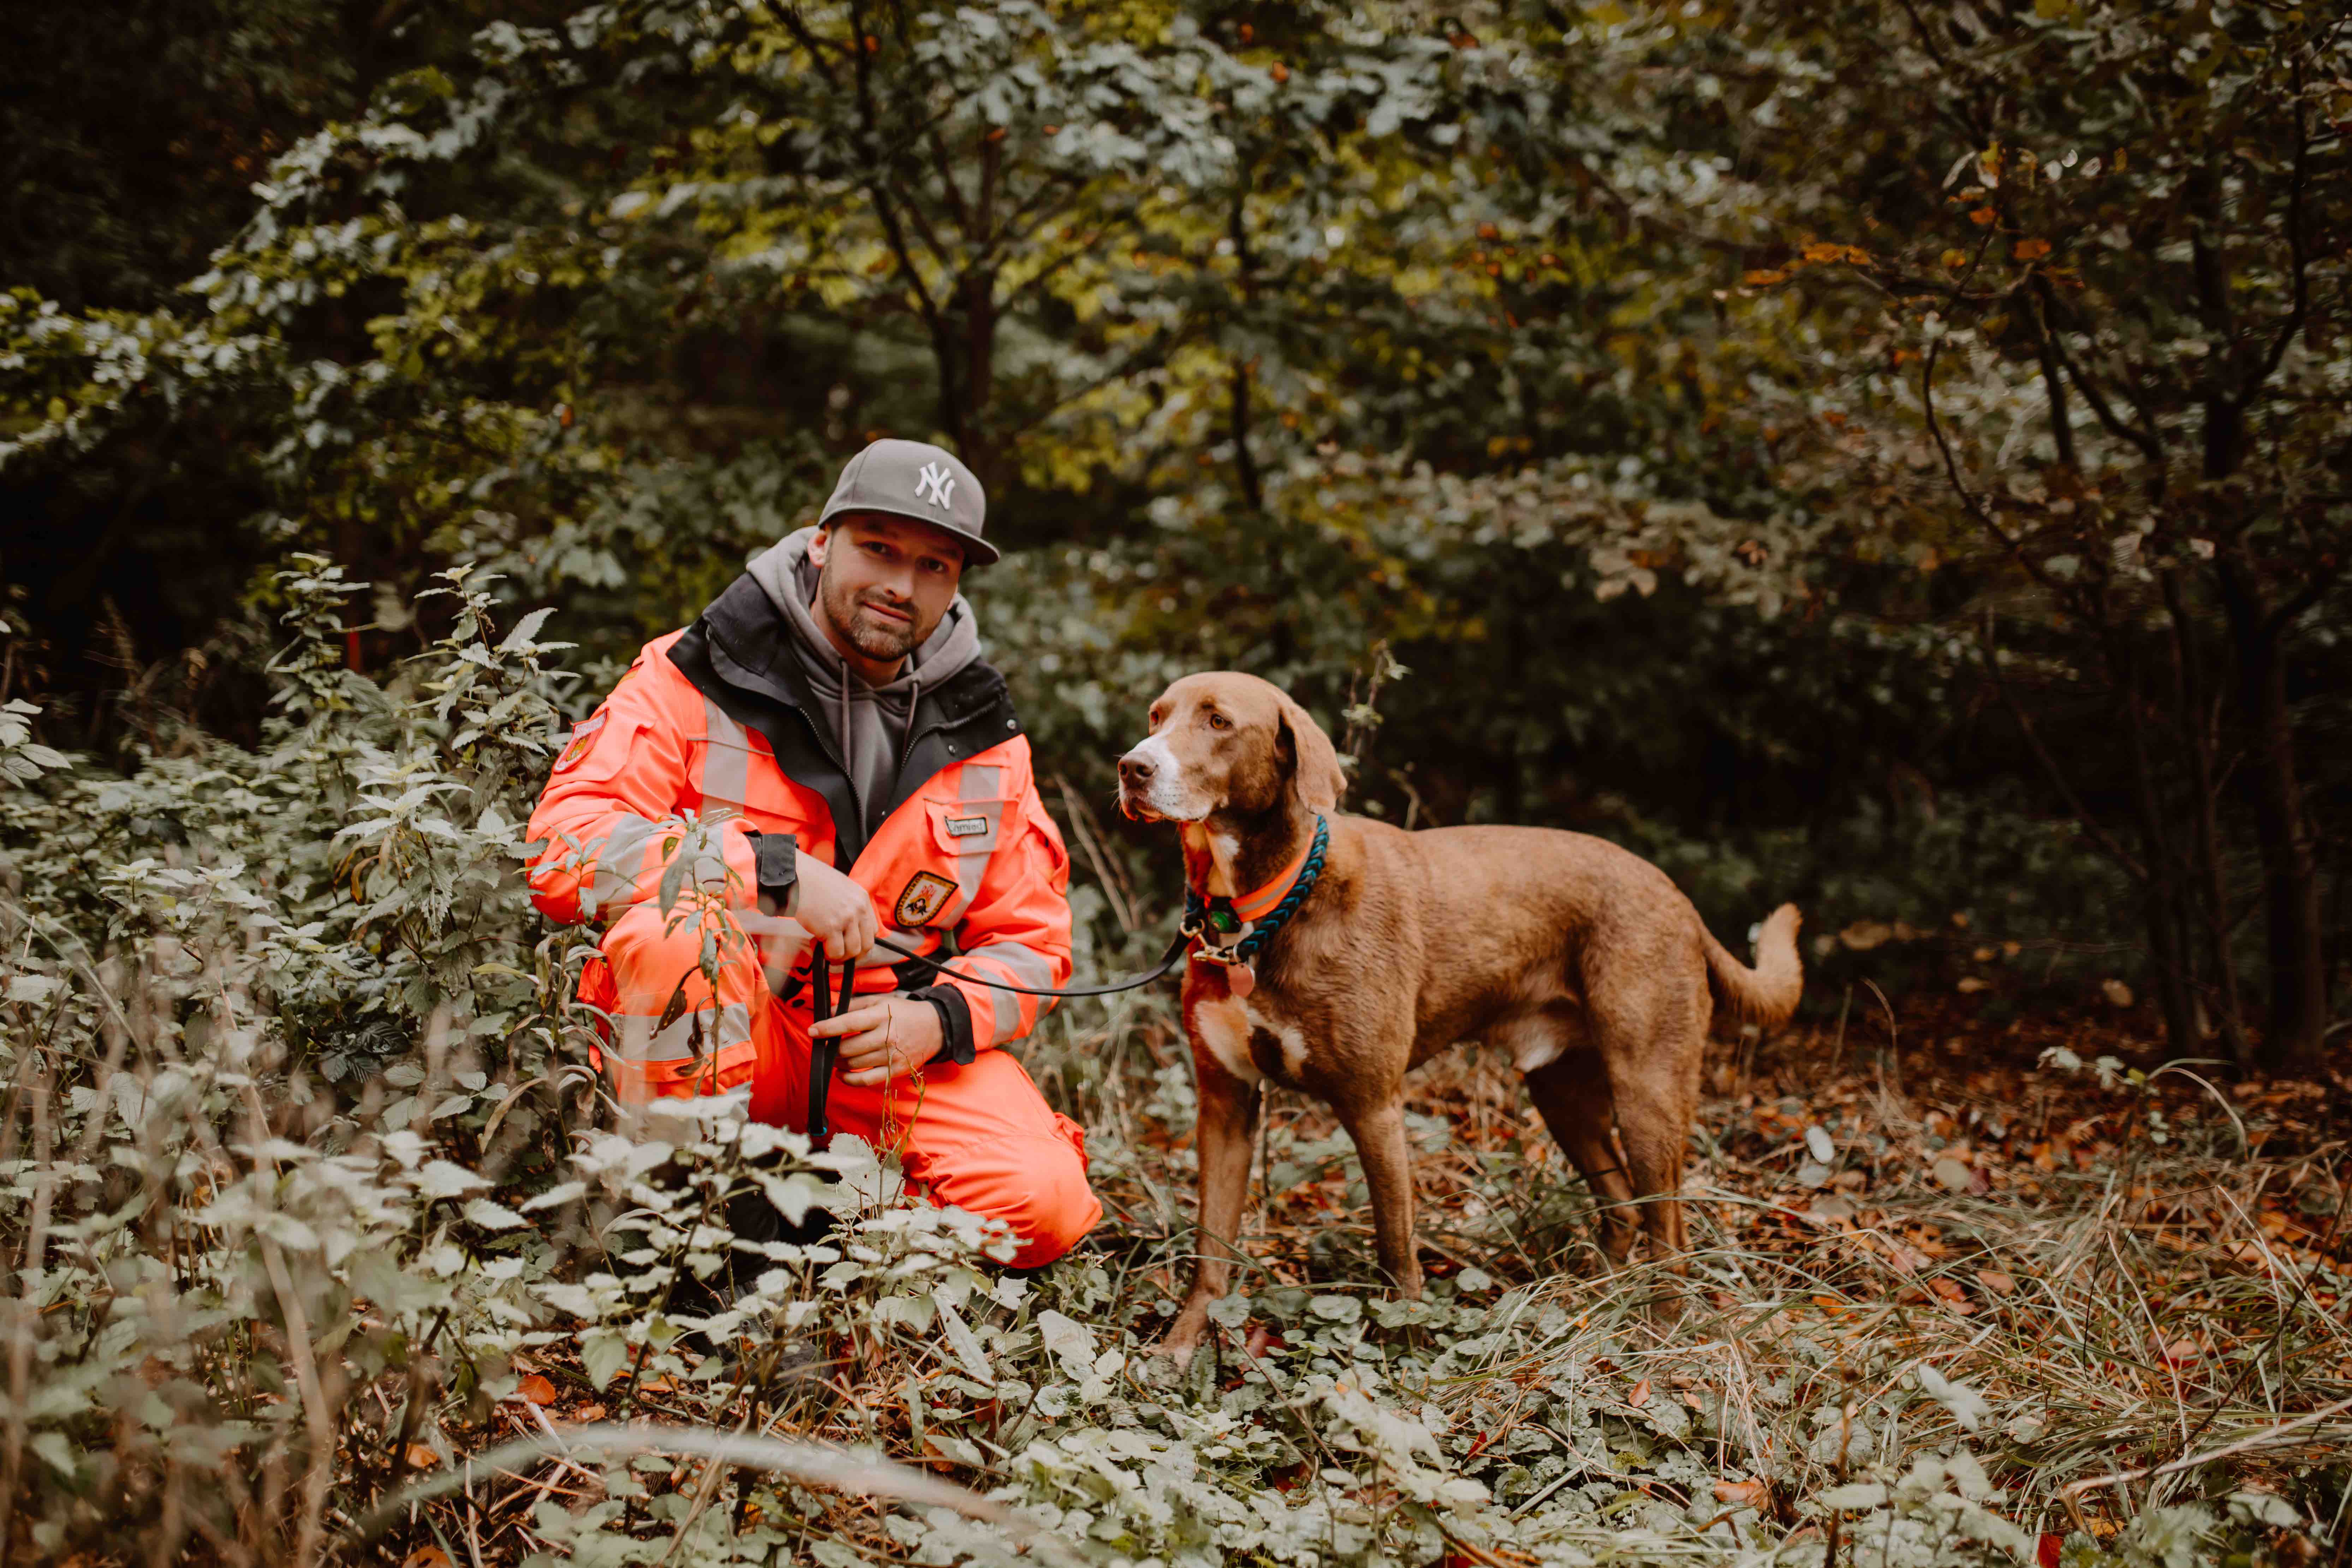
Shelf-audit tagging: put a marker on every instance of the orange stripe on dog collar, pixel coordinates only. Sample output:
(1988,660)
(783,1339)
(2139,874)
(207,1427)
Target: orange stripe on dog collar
(1250,906)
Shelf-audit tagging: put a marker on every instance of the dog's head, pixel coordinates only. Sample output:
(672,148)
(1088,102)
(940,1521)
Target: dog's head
(1227,742)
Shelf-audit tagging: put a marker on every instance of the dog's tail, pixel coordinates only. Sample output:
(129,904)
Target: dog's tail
(1767,994)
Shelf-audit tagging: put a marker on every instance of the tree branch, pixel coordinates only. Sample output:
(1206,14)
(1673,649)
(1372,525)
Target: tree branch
(2099,836)
(2149,446)
(2310,594)
(2062,424)
(868,118)
(809,40)
(2298,259)
(1976,509)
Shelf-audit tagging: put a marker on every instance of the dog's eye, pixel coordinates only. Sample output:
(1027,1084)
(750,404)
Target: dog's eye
(1219,721)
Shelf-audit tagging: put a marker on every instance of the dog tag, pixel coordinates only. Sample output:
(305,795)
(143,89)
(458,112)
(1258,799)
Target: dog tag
(1241,980)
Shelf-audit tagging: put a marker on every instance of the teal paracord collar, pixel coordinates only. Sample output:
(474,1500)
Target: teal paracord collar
(1202,915)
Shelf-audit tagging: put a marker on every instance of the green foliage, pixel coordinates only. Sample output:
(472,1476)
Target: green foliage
(1579,360)
(305,1173)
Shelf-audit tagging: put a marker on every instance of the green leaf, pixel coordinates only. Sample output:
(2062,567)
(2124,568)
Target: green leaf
(53,1447)
(603,1354)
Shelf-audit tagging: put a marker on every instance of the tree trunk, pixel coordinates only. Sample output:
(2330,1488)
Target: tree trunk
(964,343)
(2293,1045)
(2211,891)
(2170,965)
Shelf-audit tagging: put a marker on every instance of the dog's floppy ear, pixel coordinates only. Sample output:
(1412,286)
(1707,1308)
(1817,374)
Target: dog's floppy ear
(1315,766)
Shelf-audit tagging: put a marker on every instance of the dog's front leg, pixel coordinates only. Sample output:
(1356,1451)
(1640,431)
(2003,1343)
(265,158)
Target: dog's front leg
(1387,1175)
(1228,1121)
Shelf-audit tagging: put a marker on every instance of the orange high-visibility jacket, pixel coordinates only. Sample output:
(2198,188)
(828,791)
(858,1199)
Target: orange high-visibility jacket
(709,738)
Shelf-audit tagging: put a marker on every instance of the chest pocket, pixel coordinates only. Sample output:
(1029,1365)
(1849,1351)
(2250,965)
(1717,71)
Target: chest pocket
(722,759)
(964,828)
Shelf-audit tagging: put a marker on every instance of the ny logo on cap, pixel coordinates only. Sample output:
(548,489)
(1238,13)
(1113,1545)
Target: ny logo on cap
(935,483)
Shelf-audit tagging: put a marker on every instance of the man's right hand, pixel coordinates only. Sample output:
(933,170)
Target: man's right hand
(837,910)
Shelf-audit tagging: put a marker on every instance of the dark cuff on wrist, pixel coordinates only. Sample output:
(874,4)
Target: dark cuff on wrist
(779,877)
(955,1022)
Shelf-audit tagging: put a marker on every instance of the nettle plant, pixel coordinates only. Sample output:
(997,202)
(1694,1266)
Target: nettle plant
(293,1079)
(223,1225)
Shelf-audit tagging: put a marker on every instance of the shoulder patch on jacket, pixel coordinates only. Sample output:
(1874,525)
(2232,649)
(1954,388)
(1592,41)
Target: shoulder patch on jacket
(924,896)
(584,736)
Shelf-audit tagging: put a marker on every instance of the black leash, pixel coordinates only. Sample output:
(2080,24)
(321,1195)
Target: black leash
(1199,917)
(1174,955)
(825,1054)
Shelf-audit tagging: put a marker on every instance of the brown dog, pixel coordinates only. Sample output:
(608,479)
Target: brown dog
(1578,958)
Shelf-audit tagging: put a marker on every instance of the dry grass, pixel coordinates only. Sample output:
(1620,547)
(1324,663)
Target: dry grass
(2116,1295)
(2142,1282)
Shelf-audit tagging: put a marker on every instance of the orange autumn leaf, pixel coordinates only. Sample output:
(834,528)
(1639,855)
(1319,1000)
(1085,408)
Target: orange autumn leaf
(1759,280)
(425,1557)
(589,1413)
(1994,1280)
(1749,1493)
(1982,216)
(1641,1394)
(537,1389)
(1279,71)
(421,1457)
(2032,250)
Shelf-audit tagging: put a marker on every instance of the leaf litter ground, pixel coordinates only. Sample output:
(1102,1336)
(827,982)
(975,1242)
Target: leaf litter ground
(1946,1303)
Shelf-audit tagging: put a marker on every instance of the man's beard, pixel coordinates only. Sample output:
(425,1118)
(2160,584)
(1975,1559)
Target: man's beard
(871,635)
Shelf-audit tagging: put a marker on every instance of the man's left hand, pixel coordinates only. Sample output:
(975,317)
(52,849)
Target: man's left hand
(886,1039)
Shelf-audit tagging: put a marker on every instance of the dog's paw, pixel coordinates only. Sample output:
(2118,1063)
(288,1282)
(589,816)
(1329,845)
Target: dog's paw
(1183,1369)
(1172,1357)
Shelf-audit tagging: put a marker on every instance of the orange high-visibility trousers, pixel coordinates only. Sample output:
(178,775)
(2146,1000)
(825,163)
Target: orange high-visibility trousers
(978,1136)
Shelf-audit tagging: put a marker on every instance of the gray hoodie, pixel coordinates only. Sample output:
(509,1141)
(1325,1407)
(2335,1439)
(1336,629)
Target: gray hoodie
(867,723)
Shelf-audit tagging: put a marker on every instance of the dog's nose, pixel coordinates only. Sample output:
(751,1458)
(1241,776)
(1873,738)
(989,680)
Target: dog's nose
(1134,772)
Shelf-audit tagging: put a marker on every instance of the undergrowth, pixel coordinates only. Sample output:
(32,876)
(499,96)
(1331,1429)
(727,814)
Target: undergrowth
(322,1243)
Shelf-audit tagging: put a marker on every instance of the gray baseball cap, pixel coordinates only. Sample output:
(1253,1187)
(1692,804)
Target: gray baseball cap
(916,479)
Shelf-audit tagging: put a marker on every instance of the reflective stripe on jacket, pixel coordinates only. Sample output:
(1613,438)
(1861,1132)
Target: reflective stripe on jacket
(707,737)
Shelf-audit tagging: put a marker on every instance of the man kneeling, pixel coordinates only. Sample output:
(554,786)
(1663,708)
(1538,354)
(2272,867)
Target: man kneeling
(851,763)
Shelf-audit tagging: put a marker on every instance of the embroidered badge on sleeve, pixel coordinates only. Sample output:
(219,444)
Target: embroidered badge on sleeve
(924,896)
(583,737)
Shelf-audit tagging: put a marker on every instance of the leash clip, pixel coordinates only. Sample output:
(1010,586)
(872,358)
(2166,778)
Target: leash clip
(1214,946)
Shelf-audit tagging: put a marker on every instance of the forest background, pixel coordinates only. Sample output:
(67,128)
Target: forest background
(1890,458)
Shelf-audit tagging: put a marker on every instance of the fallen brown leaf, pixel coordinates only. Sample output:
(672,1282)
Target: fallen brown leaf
(1750,1494)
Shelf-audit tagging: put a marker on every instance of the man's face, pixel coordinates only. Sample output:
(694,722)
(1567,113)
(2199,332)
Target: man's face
(883,582)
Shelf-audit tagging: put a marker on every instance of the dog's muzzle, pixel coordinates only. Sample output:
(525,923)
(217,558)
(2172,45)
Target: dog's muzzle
(1146,783)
